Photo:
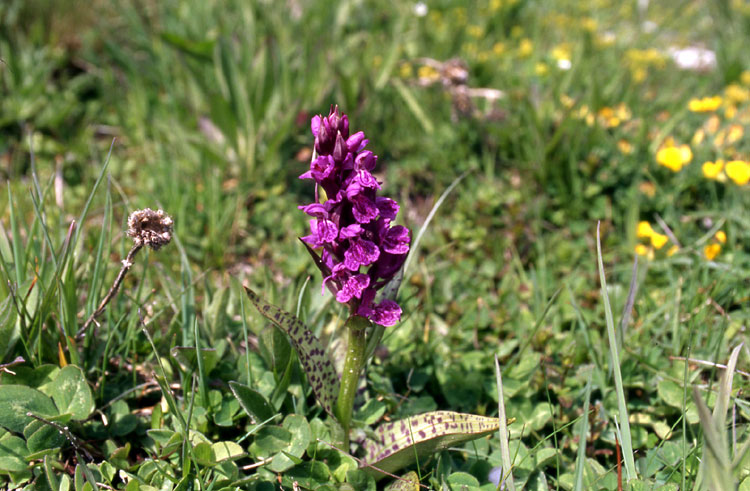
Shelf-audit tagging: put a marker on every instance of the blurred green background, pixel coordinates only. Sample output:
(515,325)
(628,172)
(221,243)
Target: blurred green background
(553,111)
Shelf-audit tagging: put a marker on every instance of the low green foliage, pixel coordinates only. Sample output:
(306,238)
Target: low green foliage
(202,109)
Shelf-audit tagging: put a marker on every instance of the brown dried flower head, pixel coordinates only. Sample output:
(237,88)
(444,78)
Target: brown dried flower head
(149,227)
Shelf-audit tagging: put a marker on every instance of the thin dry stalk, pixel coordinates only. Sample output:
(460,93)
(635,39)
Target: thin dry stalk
(145,227)
(127,263)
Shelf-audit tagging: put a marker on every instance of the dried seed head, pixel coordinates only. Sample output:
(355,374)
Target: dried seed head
(149,227)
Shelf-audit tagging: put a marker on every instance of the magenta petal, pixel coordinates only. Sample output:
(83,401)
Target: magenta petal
(365,160)
(364,210)
(387,207)
(353,189)
(366,179)
(396,240)
(348,163)
(317,210)
(353,230)
(315,125)
(353,288)
(355,140)
(360,253)
(387,313)
(340,150)
(327,231)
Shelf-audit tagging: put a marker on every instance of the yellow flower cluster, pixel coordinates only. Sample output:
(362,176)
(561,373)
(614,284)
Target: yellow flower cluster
(655,241)
(705,105)
(714,248)
(674,157)
(525,48)
(736,170)
(639,61)
(646,231)
(607,117)
(612,117)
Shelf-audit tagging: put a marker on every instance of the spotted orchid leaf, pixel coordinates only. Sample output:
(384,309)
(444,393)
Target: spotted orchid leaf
(399,443)
(408,482)
(315,361)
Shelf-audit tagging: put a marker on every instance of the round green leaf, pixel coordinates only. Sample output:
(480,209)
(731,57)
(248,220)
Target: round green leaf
(17,400)
(227,451)
(461,480)
(71,393)
(300,432)
(204,455)
(41,436)
(12,454)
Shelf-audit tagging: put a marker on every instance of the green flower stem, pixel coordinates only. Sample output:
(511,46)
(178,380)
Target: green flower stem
(355,360)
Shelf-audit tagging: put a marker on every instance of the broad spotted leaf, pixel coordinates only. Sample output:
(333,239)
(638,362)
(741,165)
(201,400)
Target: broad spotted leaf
(426,433)
(408,482)
(316,363)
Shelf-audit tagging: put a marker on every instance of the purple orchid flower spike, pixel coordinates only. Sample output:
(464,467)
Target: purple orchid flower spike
(362,249)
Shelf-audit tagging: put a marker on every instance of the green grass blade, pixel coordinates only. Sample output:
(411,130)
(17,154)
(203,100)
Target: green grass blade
(99,264)
(18,249)
(413,105)
(626,442)
(415,245)
(201,368)
(582,435)
(502,432)
(725,389)
(90,198)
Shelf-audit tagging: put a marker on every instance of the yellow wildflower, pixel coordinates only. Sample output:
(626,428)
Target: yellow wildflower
(735,133)
(745,77)
(644,229)
(736,93)
(475,31)
(642,250)
(561,52)
(720,138)
(721,236)
(623,112)
(405,70)
(730,112)
(588,24)
(673,157)
(609,118)
(639,74)
(738,171)
(658,240)
(428,73)
(712,170)
(672,251)
(567,101)
(540,69)
(625,146)
(525,48)
(698,136)
(711,251)
(705,105)
(713,124)
(498,48)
